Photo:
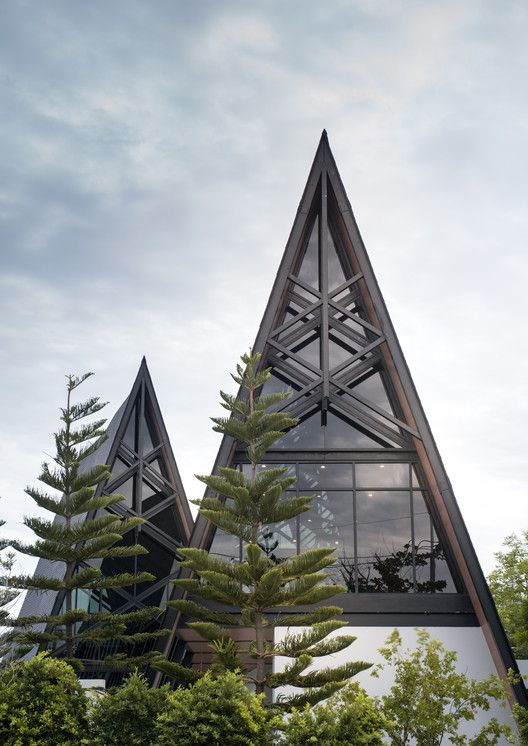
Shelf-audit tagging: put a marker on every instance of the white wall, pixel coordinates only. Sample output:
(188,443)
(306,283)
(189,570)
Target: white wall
(473,658)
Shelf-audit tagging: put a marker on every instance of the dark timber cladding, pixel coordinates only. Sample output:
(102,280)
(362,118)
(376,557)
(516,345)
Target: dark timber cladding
(363,446)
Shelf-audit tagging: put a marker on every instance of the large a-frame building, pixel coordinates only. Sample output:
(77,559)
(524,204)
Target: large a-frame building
(363,446)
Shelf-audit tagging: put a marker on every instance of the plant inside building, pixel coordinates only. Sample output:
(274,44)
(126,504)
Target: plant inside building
(86,531)
(245,506)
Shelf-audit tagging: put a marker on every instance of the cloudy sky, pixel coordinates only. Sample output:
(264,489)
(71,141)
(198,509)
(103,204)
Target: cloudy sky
(152,158)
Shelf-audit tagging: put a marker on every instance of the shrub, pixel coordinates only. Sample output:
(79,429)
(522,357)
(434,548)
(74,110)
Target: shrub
(349,717)
(215,711)
(127,715)
(430,700)
(41,704)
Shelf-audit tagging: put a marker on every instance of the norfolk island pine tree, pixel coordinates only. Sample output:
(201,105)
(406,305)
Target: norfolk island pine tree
(259,584)
(84,531)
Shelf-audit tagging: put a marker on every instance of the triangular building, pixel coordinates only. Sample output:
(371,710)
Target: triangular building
(140,458)
(363,444)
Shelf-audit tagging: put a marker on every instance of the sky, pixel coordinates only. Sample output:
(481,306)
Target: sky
(152,158)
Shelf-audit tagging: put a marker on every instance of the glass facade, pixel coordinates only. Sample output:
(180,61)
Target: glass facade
(374,517)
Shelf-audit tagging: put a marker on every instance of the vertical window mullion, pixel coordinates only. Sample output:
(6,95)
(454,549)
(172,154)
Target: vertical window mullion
(413,544)
(354,514)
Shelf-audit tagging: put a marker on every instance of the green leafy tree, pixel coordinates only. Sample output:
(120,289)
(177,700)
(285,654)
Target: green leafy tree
(430,701)
(349,717)
(7,595)
(508,583)
(84,533)
(41,704)
(128,714)
(247,507)
(215,711)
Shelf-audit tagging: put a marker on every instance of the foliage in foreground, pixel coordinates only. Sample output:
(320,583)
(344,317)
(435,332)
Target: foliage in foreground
(215,711)
(83,534)
(509,585)
(430,700)
(349,717)
(41,704)
(247,507)
(127,715)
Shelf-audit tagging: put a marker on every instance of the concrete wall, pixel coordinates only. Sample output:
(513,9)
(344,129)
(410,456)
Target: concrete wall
(473,659)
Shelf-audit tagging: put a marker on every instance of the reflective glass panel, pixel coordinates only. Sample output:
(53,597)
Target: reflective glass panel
(325,476)
(130,433)
(307,434)
(330,523)
(150,438)
(117,565)
(443,581)
(279,540)
(384,542)
(339,348)
(373,390)
(167,521)
(389,476)
(118,467)
(159,466)
(127,489)
(309,348)
(309,269)
(340,432)
(422,544)
(159,561)
(150,496)
(225,546)
(336,273)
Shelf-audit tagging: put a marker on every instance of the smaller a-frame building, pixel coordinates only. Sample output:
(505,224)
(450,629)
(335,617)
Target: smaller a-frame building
(363,446)
(140,458)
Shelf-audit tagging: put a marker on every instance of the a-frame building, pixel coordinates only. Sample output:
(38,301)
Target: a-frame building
(140,458)
(363,444)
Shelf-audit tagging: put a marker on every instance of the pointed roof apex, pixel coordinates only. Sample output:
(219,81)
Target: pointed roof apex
(324,135)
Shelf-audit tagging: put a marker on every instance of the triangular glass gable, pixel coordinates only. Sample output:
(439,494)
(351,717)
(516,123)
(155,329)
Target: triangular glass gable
(326,349)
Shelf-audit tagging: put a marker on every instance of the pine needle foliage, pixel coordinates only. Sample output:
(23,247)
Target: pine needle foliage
(83,533)
(244,507)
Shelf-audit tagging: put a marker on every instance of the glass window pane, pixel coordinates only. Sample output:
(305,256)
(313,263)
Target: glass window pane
(279,540)
(168,522)
(159,466)
(307,434)
(309,348)
(336,274)
(130,433)
(384,542)
(225,546)
(126,489)
(391,476)
(309,269)
(330,523)
(422,544)
(118,467)
(339,348)
(117,565)
(340,432)
(373,390)
(150,438)
(325,476)
(150,496)
(443,581)
(159,561)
